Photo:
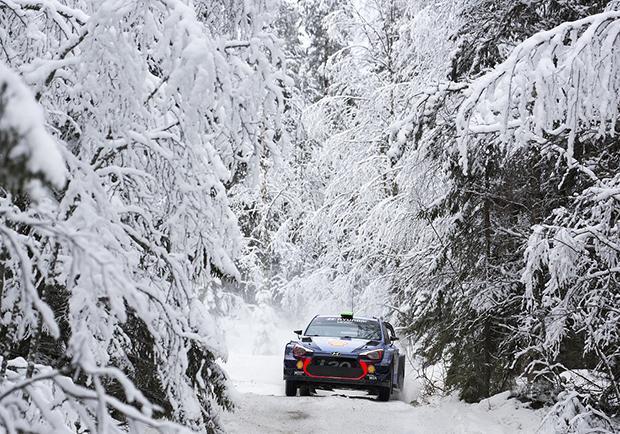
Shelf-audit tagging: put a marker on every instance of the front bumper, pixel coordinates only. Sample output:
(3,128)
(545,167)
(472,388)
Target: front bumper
(366,381)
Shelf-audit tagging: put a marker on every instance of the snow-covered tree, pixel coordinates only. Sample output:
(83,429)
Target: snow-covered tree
(364,182)
(532,146)
(556,96)
(160,109)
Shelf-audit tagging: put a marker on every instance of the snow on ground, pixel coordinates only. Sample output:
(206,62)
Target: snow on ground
(255,369)
(263,408)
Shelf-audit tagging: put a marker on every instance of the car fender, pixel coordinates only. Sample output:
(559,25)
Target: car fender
(392,357)
(388,356)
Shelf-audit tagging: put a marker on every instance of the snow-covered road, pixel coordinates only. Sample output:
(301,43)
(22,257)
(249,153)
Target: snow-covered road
(263,408)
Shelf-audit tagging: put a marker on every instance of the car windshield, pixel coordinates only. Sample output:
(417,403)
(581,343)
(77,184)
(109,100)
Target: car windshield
(345,327)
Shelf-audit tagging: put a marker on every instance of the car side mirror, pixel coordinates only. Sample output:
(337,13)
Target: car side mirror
(298,332)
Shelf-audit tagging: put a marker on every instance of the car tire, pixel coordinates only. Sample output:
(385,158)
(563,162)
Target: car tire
(304,390)
(385,393)
(290,388)
(401,373)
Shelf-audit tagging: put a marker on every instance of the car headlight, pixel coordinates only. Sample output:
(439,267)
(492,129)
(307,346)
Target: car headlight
(374,355)
(301,351)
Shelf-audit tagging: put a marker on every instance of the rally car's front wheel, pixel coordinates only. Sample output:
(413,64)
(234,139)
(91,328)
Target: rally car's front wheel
(290,388)
(386,392)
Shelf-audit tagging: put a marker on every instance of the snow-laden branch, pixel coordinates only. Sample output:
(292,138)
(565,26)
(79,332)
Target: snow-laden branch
(158,119)
(23,117)
(566,79)
(50,7)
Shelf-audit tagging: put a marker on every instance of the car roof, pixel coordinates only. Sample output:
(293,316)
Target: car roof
(354,317)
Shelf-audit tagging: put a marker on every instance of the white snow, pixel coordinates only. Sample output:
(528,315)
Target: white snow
(262,407)
(25,116)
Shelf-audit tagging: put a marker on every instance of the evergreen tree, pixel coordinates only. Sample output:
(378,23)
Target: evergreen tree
(524,156)
(156,108)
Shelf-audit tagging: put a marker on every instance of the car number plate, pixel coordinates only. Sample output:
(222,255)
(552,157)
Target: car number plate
(334,363)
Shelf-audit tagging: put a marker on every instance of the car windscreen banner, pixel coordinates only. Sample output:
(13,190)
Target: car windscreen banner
(356,328)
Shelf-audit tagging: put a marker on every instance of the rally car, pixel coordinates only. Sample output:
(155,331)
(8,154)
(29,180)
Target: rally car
(344,352)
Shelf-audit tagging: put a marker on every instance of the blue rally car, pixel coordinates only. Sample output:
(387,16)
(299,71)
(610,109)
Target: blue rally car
(344,352)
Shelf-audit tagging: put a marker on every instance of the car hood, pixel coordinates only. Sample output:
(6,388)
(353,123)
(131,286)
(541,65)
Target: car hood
(343,346)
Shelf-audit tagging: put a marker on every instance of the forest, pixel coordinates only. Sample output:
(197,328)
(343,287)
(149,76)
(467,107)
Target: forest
(451,165)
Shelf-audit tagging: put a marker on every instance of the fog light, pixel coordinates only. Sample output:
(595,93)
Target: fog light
(371,369)
(300,364)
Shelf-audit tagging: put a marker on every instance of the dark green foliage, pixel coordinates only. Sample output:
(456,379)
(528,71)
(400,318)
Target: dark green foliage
(14,174)
(493,28)
(576,351)
(473,321)
(321,46)
(143,365)
(15,178)
(37,346)
(469,314)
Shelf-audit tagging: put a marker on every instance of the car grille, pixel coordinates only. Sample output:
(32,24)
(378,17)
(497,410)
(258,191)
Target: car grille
(334,367)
